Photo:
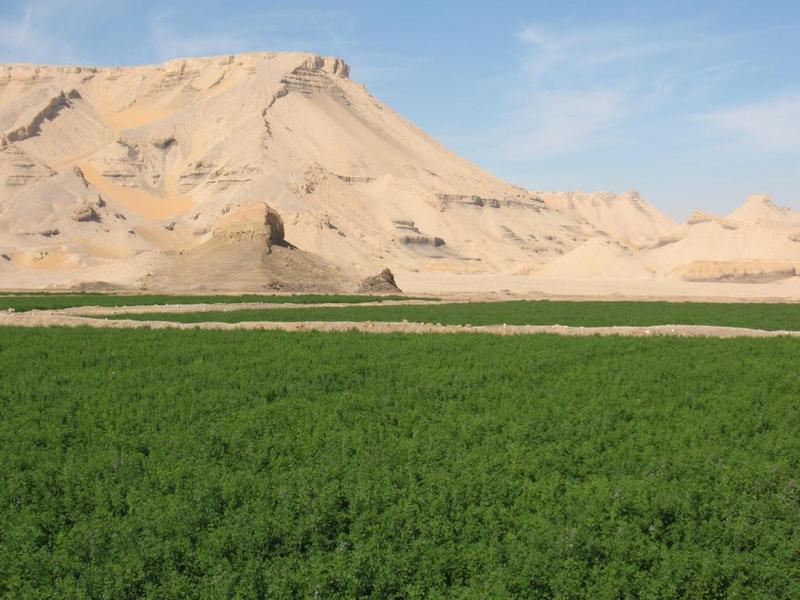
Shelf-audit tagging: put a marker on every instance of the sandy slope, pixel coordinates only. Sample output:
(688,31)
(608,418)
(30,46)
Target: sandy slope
(627,218)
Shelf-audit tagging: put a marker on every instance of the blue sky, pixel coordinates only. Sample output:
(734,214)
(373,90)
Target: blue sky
(695,104)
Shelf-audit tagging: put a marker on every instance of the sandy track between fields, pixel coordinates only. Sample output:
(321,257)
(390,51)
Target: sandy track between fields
(106,311)
(56,318)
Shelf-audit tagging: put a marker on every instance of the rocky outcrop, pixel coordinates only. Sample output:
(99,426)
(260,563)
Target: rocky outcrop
(412,236)
(194,174)
(524,200)
(21,169)
(698,216)
(81,175)
(264,113)
(423,240)
(354,179)
(48,113)
(86,213)
(447,200)
(383,282)
(312,178)
(405,225)
(333,65)
(163,143)
(225,178)
(125,163)
(736,271)
(254,221)
(274,222)
(316,74)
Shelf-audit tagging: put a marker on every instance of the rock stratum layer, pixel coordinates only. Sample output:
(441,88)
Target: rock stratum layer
(276,171)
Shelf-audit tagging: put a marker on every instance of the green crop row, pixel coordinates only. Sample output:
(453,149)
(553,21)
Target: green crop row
(246,464)
(20,302)
(587,314)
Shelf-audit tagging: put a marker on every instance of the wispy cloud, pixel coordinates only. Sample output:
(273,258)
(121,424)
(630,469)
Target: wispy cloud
(596,86)
(553,48)
(772,124)
(576,86)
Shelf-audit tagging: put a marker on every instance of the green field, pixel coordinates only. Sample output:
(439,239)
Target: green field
(587,314)
(40,301)
(246,464)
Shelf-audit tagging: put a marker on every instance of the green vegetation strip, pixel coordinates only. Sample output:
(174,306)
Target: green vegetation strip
(207,464)
(55,301)
(586,314)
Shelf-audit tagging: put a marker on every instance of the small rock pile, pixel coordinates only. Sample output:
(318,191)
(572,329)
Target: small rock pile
(382,282)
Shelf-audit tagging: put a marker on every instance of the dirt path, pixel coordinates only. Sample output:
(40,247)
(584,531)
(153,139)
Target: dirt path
(57,318)
(107,311)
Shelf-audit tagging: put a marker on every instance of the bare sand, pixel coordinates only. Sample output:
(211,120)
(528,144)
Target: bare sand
(485,285)
(62,319)
(101,311)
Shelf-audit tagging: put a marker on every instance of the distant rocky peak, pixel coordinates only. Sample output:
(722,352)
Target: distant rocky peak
(329,64)
(631,196)
(699,216)
(759,199)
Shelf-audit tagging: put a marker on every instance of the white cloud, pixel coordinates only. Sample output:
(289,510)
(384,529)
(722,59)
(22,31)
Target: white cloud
(600,86)
(771,125)
(552,49)
(576,86)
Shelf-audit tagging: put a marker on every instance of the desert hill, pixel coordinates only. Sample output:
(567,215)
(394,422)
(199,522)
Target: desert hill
(758,242)
(626,217)
(760,209)
(137,177)
(137,165)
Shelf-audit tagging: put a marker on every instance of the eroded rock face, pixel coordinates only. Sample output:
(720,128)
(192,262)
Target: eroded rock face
(80,175)
(741,271)
(274,223)
(252,221)
(20,169)
(383,282)
(698,216)
(335,66)
(328,64)
(49,112)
